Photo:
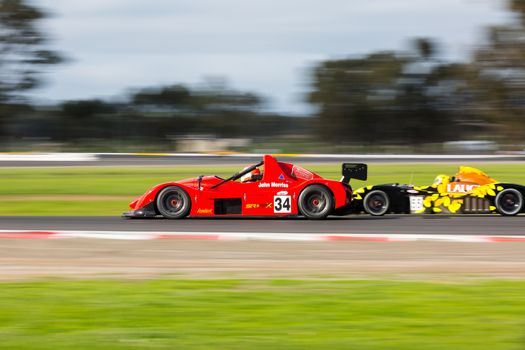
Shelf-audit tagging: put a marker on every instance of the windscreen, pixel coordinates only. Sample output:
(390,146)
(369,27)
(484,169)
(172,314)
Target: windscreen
(302,173)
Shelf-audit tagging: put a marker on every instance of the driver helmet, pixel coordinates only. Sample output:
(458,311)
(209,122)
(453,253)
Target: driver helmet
(441,179)
(253,175)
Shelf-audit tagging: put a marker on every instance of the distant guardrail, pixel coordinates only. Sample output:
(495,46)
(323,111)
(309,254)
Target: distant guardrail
(329,156)
(48,157)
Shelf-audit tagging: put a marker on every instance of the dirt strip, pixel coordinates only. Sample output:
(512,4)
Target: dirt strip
(79,258)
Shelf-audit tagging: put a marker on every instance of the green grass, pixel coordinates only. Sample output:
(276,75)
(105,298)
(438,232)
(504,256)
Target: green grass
(26,183)
(221,314)
(64,207)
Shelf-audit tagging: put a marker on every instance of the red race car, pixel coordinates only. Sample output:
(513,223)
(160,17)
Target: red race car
(268,188)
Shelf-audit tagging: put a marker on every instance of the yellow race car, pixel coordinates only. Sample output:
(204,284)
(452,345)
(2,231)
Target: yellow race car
(470,191)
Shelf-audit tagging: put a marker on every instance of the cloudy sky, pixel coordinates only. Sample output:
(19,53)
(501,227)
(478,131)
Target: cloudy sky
(265,46)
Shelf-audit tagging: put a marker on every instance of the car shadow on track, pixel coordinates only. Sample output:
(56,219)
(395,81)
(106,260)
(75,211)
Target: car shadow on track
(288,218)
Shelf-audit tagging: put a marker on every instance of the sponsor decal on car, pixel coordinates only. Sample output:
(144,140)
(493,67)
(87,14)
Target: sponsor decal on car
(460,188)
(258,205)
(273,185)
(204,211)
(282,193)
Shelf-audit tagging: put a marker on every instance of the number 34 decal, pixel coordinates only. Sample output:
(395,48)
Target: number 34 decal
(282,204)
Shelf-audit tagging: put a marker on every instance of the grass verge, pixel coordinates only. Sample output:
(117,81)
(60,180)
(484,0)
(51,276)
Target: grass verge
(73,183)
(245,314)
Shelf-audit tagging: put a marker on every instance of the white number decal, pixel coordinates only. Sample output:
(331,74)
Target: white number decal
(282,204)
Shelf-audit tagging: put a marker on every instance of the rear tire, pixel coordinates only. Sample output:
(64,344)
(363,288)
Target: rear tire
(509,202)
(376,203)
(316,202)
(173,203)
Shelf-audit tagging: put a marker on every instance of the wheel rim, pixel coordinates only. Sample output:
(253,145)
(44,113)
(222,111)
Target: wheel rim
(315,202)
(509,202)
(173,202)
(376,203)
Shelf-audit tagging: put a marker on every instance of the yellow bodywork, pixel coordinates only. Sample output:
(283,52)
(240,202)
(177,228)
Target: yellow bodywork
(447,194)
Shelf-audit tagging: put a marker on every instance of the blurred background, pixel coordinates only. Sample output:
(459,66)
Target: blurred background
(261,76)
(304,76)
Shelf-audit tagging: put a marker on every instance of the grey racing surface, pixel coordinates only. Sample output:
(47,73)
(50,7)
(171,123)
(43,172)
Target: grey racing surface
(82,258)
(180,160)
(389,224)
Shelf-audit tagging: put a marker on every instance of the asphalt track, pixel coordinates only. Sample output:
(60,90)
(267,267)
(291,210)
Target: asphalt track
(390,224)
(203,159)
(82,258)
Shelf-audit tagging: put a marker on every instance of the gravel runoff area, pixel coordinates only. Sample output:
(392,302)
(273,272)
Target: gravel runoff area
(22,259)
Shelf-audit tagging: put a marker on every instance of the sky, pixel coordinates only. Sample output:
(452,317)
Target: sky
(265,46)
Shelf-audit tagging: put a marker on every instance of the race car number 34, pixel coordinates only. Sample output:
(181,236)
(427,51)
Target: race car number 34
(282,204)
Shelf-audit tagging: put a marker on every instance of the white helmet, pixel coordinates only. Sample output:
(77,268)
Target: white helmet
(251,176)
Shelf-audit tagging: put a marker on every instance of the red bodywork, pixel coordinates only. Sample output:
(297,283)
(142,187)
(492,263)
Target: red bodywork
(256,198)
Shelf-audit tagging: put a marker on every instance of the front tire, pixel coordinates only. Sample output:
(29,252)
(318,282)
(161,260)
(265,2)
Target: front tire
(509,202)
(173,203)
(316,202)
(376,203)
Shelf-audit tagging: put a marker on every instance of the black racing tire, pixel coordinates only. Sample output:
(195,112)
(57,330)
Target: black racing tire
(376,203)
(509,202)
(316,202)
(173,203)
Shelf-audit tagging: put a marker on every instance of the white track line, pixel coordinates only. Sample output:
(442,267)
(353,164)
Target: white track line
(257,236)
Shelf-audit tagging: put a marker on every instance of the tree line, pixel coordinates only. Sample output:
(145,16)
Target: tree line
(155,116)
(386,98)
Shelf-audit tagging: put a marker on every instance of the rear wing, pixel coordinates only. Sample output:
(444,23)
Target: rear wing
(358,171)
